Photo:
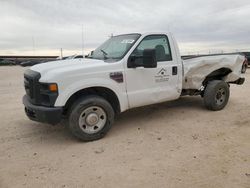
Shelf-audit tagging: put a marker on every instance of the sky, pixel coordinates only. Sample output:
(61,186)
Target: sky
(42,27)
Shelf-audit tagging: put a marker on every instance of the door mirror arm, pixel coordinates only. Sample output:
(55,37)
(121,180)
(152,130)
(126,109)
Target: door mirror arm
(133,61)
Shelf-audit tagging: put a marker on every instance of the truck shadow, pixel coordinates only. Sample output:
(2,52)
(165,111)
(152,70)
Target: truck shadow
(167,110)
(179,105)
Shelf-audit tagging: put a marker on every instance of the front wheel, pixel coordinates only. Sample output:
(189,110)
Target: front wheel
(90,118)
(216,95)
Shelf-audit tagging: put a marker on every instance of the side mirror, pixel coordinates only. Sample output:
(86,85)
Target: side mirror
(147,60)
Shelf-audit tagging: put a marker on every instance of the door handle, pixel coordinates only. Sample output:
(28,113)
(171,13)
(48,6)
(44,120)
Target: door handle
(174,70)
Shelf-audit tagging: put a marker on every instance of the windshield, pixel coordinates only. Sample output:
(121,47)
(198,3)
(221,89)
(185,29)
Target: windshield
(115,48)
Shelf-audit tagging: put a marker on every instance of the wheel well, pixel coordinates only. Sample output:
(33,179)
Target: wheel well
(216,75)
(106,93)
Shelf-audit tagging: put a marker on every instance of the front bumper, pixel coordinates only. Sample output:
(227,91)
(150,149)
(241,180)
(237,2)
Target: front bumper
(50,115)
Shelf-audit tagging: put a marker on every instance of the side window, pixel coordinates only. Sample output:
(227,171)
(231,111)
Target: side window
(159,43)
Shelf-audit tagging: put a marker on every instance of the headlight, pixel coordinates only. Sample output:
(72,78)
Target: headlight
(48,87)
(48,93)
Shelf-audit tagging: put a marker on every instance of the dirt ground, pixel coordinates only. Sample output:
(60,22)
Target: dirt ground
(174,144)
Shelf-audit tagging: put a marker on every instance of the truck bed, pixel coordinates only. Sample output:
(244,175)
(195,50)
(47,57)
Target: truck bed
(196,69)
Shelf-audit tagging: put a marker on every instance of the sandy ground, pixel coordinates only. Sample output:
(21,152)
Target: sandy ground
(174,144)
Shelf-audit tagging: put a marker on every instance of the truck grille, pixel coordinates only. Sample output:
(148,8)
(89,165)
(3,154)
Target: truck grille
(31,85)
(28,86)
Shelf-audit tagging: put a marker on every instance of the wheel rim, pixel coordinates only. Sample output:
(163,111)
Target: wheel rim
(220,96)
(92,119)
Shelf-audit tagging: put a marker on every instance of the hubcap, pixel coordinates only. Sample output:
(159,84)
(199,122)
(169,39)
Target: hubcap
(220,96)
(92,119)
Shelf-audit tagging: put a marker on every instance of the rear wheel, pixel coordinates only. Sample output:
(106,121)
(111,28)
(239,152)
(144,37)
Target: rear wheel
(216,95)
(91,118)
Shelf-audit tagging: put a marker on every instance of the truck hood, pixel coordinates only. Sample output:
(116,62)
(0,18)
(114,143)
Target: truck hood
(77,68)
(66,64)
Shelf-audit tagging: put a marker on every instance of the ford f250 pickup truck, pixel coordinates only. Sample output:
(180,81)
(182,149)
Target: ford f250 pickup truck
(125,72)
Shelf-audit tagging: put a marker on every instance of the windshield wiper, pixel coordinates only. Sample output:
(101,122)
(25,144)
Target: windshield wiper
(88,56)
(104,54)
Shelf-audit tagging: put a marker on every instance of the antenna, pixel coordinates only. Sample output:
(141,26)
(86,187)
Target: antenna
(111,35)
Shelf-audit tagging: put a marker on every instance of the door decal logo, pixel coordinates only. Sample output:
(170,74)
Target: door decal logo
(162,76)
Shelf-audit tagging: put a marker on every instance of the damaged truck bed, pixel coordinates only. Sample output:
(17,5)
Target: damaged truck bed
(197,71)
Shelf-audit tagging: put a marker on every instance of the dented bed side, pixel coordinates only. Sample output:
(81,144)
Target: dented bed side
(197,69)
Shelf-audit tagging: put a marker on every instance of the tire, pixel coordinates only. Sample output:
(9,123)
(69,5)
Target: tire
(216,95)
(90,118)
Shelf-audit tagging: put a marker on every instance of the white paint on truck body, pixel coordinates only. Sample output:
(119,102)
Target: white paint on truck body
(74,75)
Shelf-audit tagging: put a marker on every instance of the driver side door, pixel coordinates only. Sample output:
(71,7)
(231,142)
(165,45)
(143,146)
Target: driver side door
(152,85)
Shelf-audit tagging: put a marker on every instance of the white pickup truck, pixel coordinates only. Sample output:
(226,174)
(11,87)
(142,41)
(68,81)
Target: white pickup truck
(125,72)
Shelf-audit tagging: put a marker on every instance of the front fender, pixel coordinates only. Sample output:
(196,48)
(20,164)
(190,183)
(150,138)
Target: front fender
(66,91)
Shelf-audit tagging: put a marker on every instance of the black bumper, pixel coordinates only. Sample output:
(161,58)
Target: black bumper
(50,115)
